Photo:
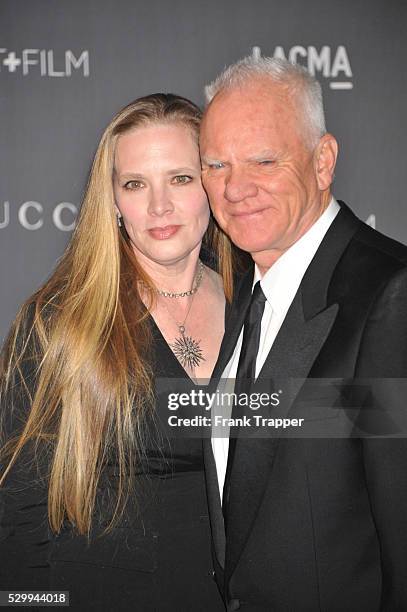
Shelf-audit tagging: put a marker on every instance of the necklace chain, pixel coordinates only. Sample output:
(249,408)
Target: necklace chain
(176,294)
(186,349)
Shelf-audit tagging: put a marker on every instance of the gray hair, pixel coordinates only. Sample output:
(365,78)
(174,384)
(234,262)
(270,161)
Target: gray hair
(305,88)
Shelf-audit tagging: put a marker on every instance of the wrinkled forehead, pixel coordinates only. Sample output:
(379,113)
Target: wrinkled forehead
(252,95)
(250,111)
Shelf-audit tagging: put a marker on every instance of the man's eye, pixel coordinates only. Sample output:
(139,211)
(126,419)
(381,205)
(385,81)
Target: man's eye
(266,162)
(133,185)
(215,166)
(181,179)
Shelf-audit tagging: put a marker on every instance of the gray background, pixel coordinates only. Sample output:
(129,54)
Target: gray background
(50,124)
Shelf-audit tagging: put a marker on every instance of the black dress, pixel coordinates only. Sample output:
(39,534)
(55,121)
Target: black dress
(158,557)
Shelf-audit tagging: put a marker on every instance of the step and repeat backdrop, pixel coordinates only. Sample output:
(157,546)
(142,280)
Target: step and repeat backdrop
(67,66)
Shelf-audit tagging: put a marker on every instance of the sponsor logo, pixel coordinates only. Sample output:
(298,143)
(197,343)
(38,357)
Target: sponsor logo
(326,62)
(44,62)
(31,214)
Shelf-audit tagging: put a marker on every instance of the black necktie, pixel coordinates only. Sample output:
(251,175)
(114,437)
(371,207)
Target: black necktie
(246,369)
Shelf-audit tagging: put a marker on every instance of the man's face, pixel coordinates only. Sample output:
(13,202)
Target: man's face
(259,173)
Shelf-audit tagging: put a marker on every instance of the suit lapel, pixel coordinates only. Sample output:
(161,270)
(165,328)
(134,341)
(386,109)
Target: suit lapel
(301,337)
(234,318)
(288,363)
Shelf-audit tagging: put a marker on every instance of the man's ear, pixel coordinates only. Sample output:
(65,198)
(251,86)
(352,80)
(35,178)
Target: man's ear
(326,153)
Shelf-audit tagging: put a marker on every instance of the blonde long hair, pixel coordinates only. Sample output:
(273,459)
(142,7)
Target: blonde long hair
(87,333)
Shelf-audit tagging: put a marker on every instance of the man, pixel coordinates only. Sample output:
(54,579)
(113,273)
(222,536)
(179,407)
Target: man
(311,524)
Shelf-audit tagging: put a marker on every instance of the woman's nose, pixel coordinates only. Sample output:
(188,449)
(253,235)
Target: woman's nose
(160,202)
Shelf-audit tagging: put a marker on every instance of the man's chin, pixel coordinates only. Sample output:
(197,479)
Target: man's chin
(249,244)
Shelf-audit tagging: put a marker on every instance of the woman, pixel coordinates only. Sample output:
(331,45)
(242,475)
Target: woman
(97,501)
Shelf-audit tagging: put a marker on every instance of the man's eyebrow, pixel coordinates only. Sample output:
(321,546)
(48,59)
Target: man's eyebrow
(206,159)
(265,154)
(259,156)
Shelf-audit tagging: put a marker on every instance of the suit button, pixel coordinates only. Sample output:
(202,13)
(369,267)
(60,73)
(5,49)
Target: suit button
(234,604)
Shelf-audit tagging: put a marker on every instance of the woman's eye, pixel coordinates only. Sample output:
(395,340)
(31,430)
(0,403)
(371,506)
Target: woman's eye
(133,185)
(181,179)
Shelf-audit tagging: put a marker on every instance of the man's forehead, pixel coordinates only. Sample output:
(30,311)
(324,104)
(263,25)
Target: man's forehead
(255,103)
(252,93)
(249,122)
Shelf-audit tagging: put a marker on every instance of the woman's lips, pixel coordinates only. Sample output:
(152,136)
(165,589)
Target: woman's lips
(162,233)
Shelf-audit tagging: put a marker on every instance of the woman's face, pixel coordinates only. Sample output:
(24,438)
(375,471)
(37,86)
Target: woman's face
(158,192)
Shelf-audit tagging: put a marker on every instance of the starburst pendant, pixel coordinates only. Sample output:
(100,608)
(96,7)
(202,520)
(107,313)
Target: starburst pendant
(187,351)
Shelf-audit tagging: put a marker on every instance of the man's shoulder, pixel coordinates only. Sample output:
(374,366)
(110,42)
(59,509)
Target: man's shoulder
(370,262)
(369,251)
(374,242)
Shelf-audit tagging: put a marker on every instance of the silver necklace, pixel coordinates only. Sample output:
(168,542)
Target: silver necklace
(175,294)
(186,348)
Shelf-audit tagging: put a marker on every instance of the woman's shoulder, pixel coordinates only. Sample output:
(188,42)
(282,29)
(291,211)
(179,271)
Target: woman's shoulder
(20,359)
(23,343)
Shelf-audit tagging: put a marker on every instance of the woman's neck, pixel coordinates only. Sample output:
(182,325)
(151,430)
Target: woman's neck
(173,276)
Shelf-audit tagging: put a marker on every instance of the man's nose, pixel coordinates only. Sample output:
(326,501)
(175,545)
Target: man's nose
(239,185)
(160,202)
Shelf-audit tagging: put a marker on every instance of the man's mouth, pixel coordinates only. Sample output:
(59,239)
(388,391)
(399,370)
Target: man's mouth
(247,213)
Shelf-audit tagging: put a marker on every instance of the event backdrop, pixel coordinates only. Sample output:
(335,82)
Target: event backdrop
(66,66)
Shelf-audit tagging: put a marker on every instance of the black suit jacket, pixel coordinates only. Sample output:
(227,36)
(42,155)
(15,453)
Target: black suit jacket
(321,524)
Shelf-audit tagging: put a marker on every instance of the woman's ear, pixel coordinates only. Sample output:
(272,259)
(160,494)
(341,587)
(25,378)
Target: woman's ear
(118,216)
